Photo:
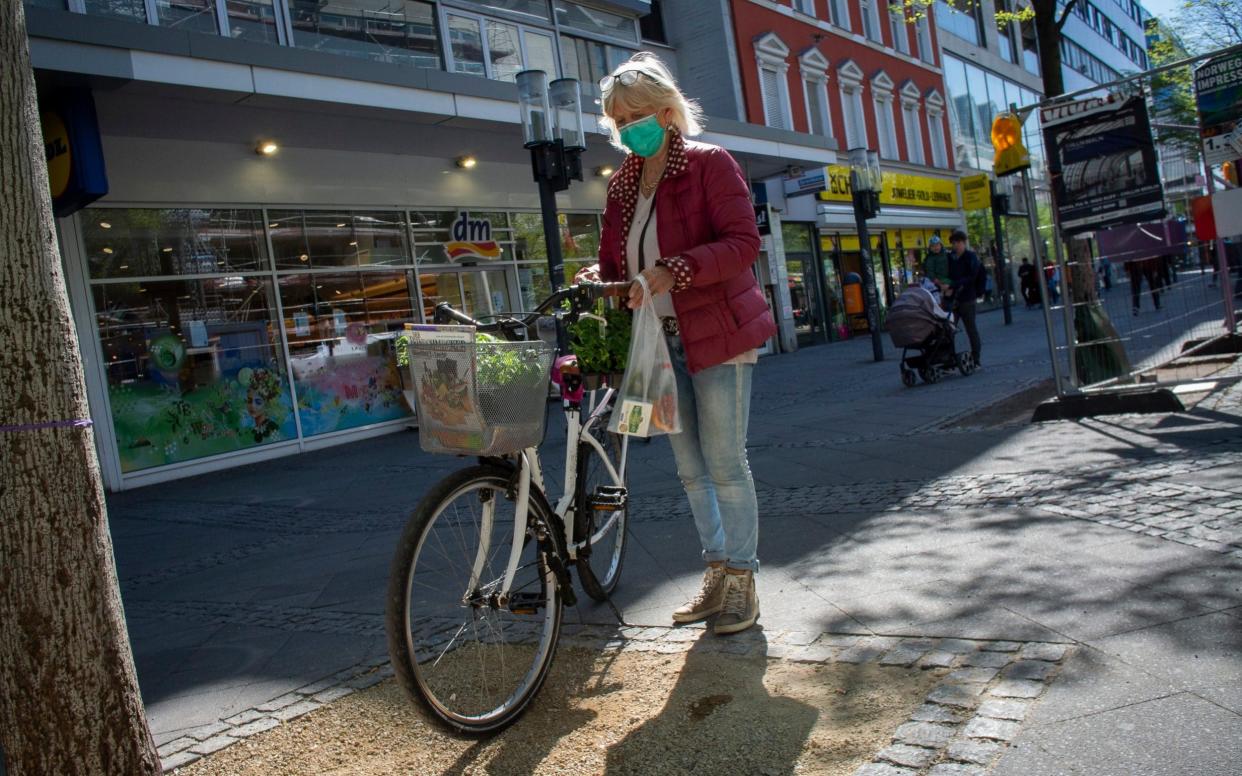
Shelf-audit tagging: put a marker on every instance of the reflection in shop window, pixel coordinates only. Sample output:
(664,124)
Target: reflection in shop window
(589,60)
(528,241)
(437,288)
(340,329)
(193,368)
(145,242)
(536,10)
(128,10)
(252,20)
(303,239)
(396,31)
(533,283)
(595,21)
(192,15)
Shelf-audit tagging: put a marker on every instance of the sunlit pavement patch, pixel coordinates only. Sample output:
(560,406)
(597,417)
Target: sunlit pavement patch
(963,725)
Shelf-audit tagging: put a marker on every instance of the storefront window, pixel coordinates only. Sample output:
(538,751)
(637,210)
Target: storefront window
(589,60)
(961,112)
(395,31)
(533,283)
(439,287)
(309,239)
(537,10)
(194,368)
(466,43)
(128,10)
(185,241)
(193,15)
(340,329)
(252,20)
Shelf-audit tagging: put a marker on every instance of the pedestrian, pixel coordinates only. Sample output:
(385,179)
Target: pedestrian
(1027,283)
(1106,274)
(679,213)
(967,276)
(1052,273)
(936,265)
(1140,270)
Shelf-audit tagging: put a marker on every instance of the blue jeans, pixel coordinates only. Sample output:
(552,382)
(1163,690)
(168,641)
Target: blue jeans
(714,408)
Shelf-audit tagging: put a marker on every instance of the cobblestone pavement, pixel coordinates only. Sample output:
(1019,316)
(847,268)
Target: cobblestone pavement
(963,726)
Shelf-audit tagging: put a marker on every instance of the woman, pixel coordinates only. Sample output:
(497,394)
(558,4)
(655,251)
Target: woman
(679,213)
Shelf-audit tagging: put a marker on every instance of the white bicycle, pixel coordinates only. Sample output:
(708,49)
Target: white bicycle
(482,570)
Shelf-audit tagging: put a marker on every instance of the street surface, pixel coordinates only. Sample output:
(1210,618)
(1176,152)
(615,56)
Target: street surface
(1098,562)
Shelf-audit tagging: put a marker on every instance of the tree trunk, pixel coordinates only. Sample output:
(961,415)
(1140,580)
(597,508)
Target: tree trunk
(69,700)
(1048,35)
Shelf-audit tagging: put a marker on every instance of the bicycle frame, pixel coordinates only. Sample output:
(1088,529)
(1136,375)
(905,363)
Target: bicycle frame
(530,470)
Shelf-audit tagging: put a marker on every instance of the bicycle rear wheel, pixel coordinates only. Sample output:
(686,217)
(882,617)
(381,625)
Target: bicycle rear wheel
(599,563)
(472,659)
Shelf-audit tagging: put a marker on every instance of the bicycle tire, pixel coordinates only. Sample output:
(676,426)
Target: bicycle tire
(598,578)
(449,675)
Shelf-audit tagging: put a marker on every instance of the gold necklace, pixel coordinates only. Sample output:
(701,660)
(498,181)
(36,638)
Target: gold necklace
(649,188)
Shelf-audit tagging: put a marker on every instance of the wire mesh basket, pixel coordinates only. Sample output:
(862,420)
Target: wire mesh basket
(478,398)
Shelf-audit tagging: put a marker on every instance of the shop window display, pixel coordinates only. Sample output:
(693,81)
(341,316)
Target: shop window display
(396,31)
(340,329)
(155,242)
(193,368)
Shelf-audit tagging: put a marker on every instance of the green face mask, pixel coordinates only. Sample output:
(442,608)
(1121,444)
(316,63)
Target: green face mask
(644,137)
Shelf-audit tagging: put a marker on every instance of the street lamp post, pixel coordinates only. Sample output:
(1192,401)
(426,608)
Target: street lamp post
(1001,190)
(866,182)
(552,130)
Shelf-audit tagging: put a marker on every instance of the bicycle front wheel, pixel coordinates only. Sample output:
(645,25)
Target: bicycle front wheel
(601,527)
(473,657)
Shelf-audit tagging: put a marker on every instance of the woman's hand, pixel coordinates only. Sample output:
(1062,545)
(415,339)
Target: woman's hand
(659,279)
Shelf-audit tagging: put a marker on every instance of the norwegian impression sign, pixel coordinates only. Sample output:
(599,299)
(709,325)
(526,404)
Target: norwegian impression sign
(1103,163)
(1218,90)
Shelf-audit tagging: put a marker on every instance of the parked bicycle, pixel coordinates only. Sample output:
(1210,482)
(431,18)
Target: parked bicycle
(482,570)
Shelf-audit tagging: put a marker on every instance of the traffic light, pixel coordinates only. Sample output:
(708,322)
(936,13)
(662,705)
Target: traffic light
(1230,171)
(1011,156)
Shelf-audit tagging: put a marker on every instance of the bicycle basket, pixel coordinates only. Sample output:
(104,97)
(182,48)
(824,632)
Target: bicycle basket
(478,398)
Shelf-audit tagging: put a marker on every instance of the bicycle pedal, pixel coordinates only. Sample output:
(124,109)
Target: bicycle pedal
(609,498)
(526,603)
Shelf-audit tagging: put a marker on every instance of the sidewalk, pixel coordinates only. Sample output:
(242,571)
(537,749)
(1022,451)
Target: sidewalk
(884,514)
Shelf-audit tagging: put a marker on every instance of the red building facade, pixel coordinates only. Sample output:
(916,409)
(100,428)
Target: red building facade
(852,69)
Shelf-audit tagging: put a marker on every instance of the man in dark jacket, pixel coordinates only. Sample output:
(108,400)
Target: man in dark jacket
(967,275)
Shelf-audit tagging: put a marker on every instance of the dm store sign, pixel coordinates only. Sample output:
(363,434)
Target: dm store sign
(471,239)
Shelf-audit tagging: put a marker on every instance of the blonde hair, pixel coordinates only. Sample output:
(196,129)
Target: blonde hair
(656,91)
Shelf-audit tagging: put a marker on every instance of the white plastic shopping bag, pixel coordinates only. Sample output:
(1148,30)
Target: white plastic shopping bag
(646,403)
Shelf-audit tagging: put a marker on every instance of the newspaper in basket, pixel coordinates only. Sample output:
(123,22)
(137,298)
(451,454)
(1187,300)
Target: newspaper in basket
(478,397)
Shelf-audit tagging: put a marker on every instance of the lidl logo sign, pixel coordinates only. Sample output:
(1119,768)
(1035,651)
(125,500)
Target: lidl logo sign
(472,238)
(56,147)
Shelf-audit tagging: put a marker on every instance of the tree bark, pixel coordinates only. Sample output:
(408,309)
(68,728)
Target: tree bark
(69,699)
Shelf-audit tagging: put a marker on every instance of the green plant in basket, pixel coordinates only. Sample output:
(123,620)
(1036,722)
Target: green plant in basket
(507,364)
(602,347)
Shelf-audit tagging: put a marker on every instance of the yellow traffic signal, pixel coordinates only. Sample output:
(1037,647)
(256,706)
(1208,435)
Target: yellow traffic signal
(1230,172)
(1011,156)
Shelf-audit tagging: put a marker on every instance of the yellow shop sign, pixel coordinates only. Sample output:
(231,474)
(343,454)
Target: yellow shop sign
(898,189)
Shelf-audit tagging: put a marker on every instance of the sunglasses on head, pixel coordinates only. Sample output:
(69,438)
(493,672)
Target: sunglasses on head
(625,78)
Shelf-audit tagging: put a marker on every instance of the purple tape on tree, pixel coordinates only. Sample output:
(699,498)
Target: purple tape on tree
(49,424)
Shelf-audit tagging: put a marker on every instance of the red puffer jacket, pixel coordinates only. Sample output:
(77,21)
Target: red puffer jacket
(707,234)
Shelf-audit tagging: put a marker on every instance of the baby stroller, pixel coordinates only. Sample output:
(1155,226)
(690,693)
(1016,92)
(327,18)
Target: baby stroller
(916,323)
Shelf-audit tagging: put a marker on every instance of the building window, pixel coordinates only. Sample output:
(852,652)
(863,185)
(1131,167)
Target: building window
(127,10)
(500,51)
(935,129)
(914,131)
(394,31)
(871,19)
(839,13)
(252,20)
(850,77)
(885,123)
(1005,33)
(814,69)
(1030,47)
(805,6)
(897,26)
(532,10)
(590,60)
(651,26)
(596,22)
(192,15)
(960,17)
(771,56)
(926,52)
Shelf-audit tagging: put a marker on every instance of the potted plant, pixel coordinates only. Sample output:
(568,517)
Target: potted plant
(601,341)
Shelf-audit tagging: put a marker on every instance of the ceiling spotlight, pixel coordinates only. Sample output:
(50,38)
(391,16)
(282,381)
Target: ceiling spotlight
(108,251)
(466,162)
(340,226)
(168,250)
(266,148)
(604,172)
(105,225)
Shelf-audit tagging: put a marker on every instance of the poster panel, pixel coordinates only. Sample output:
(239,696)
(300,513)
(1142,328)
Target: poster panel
(1103,163)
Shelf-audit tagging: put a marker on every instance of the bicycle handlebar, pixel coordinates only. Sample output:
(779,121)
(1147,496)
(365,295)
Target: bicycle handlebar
(581,296)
